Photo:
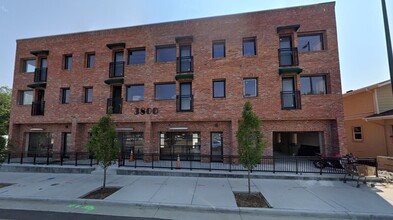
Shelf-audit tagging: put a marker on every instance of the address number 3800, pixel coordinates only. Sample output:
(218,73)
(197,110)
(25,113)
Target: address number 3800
(148,111)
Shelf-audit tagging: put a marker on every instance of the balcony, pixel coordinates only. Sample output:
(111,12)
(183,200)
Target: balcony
(40,74)
(290,100)
(288,57)
(37,108)
(185,103)
(116,69)
(115,105)
(185,64)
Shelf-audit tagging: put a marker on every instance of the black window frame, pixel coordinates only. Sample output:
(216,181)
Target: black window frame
(88,60)
(218,81)
(321,37)
(218,42)
(24,65)
(21,97)
(244,87)
(250,39)
(67,64)
(173,46)
(86,94)
(155,90)
(311,84)
(127,92)
(130,51)
(64,95)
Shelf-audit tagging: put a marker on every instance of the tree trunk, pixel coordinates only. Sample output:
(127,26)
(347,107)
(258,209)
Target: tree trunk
(249,181)
(103,186)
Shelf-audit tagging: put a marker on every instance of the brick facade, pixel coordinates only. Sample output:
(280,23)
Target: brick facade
(318,113)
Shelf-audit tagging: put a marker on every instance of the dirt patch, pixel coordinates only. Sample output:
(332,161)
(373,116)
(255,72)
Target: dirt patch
(4,185)
(253,200)
(101,193)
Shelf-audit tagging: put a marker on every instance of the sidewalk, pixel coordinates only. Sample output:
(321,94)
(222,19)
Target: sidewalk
(174,197)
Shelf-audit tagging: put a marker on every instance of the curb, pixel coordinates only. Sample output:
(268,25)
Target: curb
(197,208)
(46,169)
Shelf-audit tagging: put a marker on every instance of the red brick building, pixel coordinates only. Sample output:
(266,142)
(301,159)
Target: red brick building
(179,87)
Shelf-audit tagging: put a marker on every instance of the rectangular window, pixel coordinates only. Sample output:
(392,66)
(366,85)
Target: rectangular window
(25,97)
(165,91)
(135,93)
(310,42)
(249,47)
(67,62)
(250,87)
(166,54)
(218,49)
(65,95)
(219,89)
(29,66)
(357,133)
(313,85)
(136,56)
(90,60)
(88,95)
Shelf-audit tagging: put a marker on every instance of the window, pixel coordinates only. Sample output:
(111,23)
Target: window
(137,56)
(219,89)
(25,97)
(313,85)
(67,62)
(250,87)
(29,66)
(88,95)
(166,54)
(249,47)
(165,91)
(65,95)
(90,60)
(218,49)
(357,133)
(310,42)
(135,93)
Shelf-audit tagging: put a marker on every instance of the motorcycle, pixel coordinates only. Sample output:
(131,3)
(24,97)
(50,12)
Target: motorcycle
(335,161)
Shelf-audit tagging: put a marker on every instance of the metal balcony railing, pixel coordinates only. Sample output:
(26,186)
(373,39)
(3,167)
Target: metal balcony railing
(185,103)
(185,64)
(115,105)
(40,74)
(116,69)
(37,108)
(290,100)
(288,57)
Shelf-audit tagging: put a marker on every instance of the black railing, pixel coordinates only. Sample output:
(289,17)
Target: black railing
(185,103)
(37,108)
(50,158)
(116,69)
(288,57)
(115,105)
(185,64)
(290,100)
(40,74)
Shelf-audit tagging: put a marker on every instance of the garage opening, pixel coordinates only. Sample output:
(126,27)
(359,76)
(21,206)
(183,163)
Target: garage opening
(297,143)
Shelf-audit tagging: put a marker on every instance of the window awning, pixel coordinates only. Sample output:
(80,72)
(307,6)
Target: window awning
(293,27)
(290,70)
(114,81)
(37,85)
(184,76)
(38,52)
(118,45)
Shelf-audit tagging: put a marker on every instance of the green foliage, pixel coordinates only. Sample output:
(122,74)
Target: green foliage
(250,138)
(2,149)
(103,143)
(5,107)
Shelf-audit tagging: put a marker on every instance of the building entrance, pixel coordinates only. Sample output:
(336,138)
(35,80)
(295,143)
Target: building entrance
(186,145)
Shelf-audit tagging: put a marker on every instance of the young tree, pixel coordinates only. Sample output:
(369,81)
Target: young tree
(3,144)
(5,107)
(250,140)
(103,143)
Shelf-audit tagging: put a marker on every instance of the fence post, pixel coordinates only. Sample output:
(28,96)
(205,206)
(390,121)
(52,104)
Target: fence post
(61,159)
(91,160)
(376,167)
(296,165)
(47,157)
(34,158)
(152,161)
(190,164)
(171,160)
(76,159)
(320,170)
(21,158)
(274,165)
(9,157)
(230,163)
(210,162)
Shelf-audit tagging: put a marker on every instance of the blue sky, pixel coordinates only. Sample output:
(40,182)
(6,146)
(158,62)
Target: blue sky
(362,45)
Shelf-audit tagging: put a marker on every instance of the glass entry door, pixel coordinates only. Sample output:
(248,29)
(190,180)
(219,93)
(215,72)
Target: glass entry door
(216,146)
(288,92)
(185,58)
(186,145)
(286,51)
(185,97)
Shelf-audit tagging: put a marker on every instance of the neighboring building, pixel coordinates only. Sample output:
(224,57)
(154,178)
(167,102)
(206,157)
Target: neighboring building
(369,120)
(179,87)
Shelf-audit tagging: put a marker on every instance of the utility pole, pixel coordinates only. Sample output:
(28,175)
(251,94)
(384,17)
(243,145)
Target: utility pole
(388,42)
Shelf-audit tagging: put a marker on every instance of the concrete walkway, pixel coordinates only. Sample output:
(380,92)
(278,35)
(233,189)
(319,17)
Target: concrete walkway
(173,197)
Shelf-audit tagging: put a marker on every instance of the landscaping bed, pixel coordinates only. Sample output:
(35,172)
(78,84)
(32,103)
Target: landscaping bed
(253,200)
(101,193)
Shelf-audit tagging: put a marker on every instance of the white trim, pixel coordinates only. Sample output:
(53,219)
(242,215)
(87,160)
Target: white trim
(376,106)
(124,129)
(178,128)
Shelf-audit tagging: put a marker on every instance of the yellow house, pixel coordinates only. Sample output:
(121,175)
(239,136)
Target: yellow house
(368,120)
